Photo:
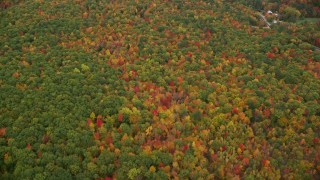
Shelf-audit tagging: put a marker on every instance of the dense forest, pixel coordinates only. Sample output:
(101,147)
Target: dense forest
(159,89)
(307,8)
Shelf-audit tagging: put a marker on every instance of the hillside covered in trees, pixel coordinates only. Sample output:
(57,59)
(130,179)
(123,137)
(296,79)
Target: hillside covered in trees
(154,89)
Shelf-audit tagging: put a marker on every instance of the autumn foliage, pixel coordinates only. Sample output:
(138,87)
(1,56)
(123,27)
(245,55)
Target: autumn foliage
(158,89)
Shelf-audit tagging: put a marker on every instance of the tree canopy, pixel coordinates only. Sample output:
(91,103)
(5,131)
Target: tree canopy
(100,89)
